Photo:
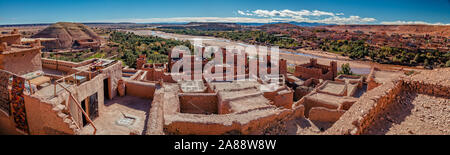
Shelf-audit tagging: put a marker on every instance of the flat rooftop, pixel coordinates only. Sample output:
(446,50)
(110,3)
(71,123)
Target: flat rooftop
(192,86)
(121,116)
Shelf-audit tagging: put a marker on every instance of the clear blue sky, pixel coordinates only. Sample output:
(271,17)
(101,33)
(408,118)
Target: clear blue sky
(343,11)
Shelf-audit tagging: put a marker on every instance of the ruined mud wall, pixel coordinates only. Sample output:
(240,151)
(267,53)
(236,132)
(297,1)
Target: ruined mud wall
(433,89)
(361,115)
(281,98)
(155,124)
(43,120)
(198,103)
(252,122)
(371,83)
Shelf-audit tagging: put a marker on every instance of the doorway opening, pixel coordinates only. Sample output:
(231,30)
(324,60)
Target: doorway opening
(83,105)
(106,89)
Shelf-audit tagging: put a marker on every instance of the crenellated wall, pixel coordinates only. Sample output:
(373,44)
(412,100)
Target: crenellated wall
(317,71)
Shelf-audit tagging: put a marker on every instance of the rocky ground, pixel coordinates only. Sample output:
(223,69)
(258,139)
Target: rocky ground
(416,114)
(298,126)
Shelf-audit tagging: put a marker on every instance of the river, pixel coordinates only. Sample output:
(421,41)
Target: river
(291,57)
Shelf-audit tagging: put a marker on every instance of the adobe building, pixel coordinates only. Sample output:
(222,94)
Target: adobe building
(12,51)
(43,96)
(315,70)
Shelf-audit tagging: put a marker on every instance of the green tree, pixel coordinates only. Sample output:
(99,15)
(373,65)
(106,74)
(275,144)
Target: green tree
(345,69)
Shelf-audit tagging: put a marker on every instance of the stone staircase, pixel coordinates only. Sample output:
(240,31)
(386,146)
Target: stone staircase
(63,112)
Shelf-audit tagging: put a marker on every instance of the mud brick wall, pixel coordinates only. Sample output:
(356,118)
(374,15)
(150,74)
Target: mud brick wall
(361,115)
(371,83)
(11,39)
(140,89)
(307,73)
(252,122)
(198,103)
(155,123)
(432,89)
(29,61)
(42,119)
(325,114)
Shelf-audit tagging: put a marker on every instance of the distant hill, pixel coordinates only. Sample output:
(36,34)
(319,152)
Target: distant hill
(279,26)
(67,34)
(435,30)
(206,26)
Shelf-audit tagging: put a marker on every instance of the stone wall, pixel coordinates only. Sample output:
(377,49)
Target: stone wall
(433,89)
(155,124)
(361,115)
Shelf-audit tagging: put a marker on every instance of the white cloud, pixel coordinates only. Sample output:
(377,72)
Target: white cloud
(288,13)
(315,16)
(269,16)
(410,23)
(346,20)
(244,13)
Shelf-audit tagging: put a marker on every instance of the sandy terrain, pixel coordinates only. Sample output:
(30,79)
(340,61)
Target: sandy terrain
(28,30)
(299,126)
